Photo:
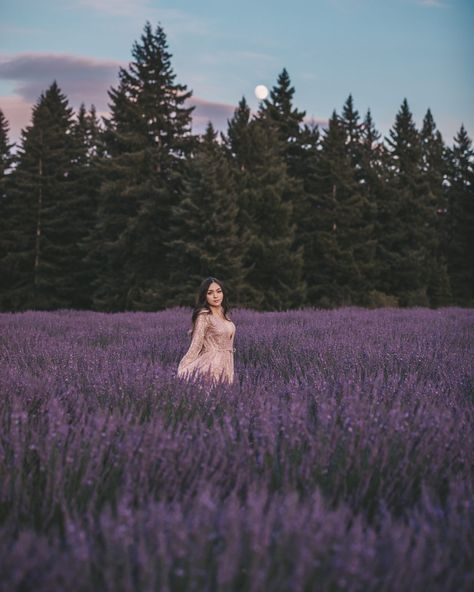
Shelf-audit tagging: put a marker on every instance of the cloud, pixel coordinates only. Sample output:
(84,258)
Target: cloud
(81,79)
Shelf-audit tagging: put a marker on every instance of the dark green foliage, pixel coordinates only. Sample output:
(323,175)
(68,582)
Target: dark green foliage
(6,161)
(147,140)
(273,262)
(287,119)
(43,209)
(88,135)
(340,255)
(5,151)
(460,231)
(361,181)
(204,236)
(298,145)
(407,218)
(371,174)
(322,252)
(434,170)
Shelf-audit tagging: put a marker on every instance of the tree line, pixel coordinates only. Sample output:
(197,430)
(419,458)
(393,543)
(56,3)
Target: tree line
(132,211)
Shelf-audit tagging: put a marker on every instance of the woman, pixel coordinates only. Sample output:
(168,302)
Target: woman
(211,353)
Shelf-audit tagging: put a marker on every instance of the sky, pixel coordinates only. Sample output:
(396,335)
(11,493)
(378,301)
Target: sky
(380,51)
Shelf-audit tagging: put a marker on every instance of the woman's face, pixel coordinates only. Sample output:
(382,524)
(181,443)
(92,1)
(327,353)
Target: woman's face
(214,295)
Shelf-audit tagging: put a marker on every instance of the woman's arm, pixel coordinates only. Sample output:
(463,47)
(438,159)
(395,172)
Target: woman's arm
(196,342)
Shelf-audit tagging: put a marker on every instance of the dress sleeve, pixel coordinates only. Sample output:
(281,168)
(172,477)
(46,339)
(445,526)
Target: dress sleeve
(196,342)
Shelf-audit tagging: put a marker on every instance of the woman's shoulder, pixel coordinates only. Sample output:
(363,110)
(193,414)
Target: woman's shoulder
(204,311)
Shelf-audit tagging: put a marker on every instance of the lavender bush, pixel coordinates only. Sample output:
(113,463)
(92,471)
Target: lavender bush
(341,459)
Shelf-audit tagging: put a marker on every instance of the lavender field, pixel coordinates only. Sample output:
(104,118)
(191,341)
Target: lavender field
(341,459)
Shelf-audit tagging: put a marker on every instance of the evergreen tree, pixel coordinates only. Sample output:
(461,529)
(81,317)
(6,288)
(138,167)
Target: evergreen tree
(120,170)
(43,227)
(287,119)
(306,169)
(342,248)
(272,260)
(433,166)
(300,146)
(460,246)
(147,140)
(87,135)
(238,141)
(372,178)
(353,128)
(321,250)
(406,218)
(6,162)
(240,148)
(204,231)
(361,145)
(372,157)
(6,157)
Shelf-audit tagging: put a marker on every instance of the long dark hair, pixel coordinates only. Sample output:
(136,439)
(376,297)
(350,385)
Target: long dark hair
(201,299)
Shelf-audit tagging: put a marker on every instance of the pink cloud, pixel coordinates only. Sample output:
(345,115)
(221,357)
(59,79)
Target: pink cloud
(81,79)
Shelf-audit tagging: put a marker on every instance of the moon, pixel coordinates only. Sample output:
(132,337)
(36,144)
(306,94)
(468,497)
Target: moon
(261,92)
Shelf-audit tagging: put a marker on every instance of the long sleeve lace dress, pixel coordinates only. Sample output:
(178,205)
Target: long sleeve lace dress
(211,353)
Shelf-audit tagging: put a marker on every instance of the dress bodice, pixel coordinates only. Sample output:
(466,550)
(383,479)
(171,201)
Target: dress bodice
(219,334)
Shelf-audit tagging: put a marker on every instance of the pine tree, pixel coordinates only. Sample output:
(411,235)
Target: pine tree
(322,254)
(204,232)
(6,162)
(342,246)
(372,157)
(433,166)
(240,147)
(287,119)
(306,170)
(361,148)
(353,128)
(273,261)
(406,217)
(87,135)
(42,217)
(372,178)
(238,141)
(6,157)
(460,246)
(300,146)
(147,140)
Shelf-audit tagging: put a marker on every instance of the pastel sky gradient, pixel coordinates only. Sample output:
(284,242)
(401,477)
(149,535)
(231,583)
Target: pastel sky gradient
(381,51)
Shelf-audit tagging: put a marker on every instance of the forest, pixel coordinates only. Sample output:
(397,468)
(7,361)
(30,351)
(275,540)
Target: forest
(131,211)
